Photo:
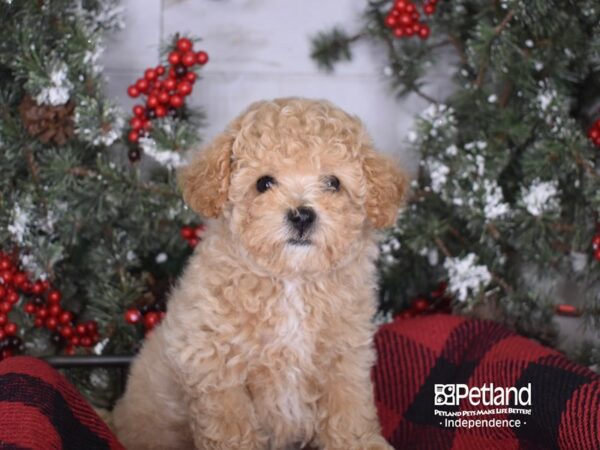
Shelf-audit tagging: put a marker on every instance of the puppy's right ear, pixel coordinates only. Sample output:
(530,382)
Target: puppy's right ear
(205,180)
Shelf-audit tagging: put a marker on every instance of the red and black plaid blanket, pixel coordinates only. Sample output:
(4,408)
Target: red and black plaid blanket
(416,354)
(39,409)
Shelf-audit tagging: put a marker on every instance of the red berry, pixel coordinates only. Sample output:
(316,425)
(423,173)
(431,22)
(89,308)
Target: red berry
(66,332)
(81,329)
(30,308)
(136,123)
(161,111)
(424,31)
(184,88)
(390,21)
(174,58)
(5,307)
(202,57)
(597,254)
(12,297)
(193,242)
(2,334)
(163,97)
(46,284)
(10,328)
(133,136)
(6,276)
(191,77)
(429,9)
(92,327)
(51,323)
(3,319)
(19,279)
(160,70)
(176,101)
(150,74)
(42,312)
(66,317)
(133,91)
(410,7)
(86,341)
(139,111)
(54,310)
(189,59)
(151,319)
(75,340)
(170,84)
(152,101)
(420,304)
(147,125)
(398,32)
(54,296)
(2,291)
(405,19)
(184,44)
(187,232)
(38,322)
(5,263)
(37,288)
(142,84)
(132,315)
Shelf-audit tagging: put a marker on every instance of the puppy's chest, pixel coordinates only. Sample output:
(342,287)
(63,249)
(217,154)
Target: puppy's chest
(288,327)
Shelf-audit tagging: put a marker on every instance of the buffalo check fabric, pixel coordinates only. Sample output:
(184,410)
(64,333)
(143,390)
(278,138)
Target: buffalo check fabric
(40,409)
(416,354)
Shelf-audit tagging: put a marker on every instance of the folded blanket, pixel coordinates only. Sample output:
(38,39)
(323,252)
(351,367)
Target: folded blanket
(416,354)
(39,409)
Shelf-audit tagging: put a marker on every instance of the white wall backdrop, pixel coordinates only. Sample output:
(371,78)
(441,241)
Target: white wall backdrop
(260,49)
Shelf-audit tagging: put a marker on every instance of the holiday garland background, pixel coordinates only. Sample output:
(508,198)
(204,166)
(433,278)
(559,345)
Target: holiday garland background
(505,205)
(89,222)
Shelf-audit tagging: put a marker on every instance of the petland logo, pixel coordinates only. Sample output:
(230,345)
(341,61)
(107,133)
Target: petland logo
(487,395)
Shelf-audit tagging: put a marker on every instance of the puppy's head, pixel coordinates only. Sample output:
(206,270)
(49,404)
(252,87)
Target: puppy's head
(297,183)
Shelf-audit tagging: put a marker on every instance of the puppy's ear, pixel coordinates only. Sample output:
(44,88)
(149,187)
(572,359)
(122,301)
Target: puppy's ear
(205,180)
(386,188)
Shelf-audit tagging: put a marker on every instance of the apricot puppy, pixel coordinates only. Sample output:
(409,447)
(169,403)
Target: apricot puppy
(267,342)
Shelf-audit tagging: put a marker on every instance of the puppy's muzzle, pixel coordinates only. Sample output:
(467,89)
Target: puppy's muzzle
(302,220)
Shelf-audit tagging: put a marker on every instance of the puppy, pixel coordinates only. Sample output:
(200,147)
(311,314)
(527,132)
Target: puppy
(267,342)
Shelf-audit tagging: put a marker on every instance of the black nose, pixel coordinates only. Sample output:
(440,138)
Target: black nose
(301,218)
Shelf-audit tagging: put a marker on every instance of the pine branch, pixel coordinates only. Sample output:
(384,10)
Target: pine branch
(497,32)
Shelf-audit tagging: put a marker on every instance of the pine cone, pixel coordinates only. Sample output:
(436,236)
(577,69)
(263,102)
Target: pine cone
(48,123)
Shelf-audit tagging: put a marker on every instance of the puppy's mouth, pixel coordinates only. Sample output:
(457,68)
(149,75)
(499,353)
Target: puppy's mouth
(299,241)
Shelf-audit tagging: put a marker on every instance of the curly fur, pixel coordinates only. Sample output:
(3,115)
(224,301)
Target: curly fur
(268,344)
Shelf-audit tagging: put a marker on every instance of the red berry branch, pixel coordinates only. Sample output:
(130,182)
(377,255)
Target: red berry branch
(404,19)
(40,300)
(164,89)
(192,234)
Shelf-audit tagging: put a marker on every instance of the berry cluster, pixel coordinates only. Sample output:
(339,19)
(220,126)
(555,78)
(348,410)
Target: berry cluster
(192,234)
(436,301)
(165,89)
(43,302)
(148,315)
(594,133)
(405,19)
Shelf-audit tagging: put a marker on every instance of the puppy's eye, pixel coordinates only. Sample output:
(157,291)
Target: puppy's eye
(332,183)
(265,183)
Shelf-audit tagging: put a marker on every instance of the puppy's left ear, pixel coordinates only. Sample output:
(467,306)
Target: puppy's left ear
(386,188)
(205,180)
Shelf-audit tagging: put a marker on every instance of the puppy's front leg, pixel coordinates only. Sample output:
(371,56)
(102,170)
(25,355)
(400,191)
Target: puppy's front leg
(349,418)
(225,419)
